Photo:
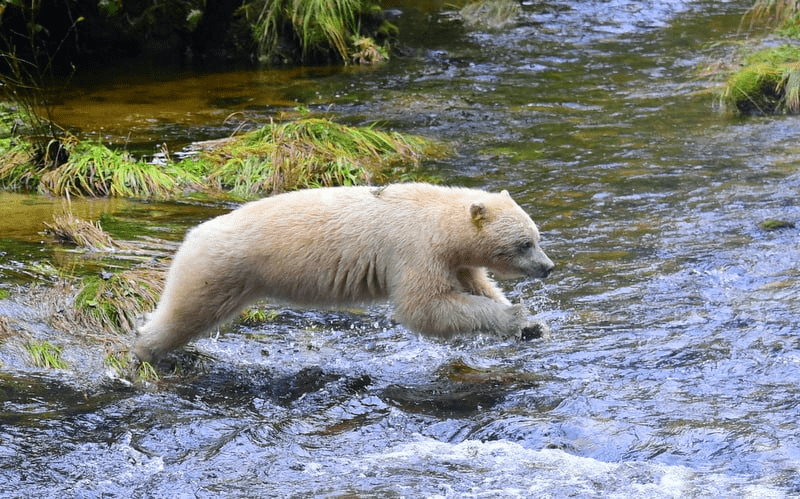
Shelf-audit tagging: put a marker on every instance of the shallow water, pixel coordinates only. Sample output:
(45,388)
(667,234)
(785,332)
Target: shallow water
(672,366)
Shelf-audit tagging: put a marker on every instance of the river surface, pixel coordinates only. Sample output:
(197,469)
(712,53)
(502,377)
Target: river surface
(672,366)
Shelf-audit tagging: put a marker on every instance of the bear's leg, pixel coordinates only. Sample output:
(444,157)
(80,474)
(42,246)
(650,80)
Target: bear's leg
(194,301)
(476,282)
(456,312)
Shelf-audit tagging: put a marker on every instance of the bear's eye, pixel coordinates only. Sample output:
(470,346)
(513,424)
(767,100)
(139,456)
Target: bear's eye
(524,247)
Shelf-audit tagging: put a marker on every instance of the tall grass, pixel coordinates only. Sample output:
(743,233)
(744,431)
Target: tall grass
(17,167)
(322,23)
(114,303)
(45,354)
(96,171)
(311,152)
(494,14)
(320,27)
(772,12)
(27,58)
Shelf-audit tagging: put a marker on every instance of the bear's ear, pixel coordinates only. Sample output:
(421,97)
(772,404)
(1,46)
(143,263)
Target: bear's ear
(505,193)
(478,212)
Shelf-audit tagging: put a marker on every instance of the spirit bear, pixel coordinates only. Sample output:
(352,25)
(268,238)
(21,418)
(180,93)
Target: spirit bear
(425,248)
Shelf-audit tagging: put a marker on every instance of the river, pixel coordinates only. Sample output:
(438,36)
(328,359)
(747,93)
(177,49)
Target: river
(672,366)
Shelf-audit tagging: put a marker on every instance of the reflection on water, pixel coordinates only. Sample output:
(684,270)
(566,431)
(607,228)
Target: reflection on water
(129,108)
(672,367)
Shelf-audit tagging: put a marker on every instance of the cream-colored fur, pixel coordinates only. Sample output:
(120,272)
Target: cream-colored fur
(425,248)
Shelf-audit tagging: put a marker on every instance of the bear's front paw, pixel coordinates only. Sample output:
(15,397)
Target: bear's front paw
(534,331)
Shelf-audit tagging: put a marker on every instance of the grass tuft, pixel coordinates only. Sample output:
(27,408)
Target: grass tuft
(46,355)
(115,303)
(125,367)
(311,152)
(493,14)
(320,27)
(17,171)
(69,229)
(771,12)
(768,83)
(96,171)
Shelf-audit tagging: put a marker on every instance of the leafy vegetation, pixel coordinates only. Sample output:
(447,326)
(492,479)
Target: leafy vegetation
(324,29)
(114,302)
(782,13)
(492,14)
(310,152)
(769,82)
(46,355)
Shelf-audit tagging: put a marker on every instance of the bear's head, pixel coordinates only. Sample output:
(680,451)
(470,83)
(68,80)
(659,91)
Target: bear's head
(507,239)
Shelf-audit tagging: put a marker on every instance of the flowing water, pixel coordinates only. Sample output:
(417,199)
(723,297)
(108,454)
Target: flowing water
(673,362)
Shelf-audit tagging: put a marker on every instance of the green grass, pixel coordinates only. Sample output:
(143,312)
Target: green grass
(96,171)
(308,152)
(46,355)
(312,152)
(114,303)
(768,83)
(321,28)
(773,12)
(146,372)
(17,165)
(127,368)
(92,170)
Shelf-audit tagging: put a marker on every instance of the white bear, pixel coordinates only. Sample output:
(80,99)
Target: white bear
(425,248)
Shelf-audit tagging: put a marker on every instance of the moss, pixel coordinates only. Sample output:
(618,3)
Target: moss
(775,225)
(769,83)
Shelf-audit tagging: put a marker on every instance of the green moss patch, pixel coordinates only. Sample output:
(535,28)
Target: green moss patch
(773,224)
(768,83)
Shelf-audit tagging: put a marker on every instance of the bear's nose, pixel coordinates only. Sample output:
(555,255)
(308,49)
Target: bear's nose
(547,269)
